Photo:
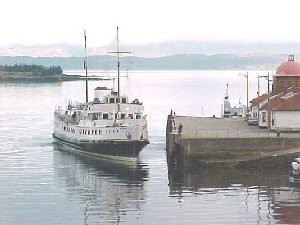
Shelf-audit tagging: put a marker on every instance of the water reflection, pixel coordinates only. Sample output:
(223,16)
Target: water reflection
(287,205)
(109,192)
(267,192)
(184,178)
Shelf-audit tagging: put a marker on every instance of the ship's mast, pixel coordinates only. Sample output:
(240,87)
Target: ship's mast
(85,67)
(118,56)
(118,52)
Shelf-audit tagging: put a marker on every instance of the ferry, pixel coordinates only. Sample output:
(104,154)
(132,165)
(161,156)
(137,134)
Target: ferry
(110,126)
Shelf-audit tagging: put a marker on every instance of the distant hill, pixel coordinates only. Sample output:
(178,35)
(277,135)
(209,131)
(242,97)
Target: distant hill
(172,62)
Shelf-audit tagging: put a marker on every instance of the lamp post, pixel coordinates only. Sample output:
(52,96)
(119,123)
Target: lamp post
(258,92)
(247,78)
(258,85)
(268,78)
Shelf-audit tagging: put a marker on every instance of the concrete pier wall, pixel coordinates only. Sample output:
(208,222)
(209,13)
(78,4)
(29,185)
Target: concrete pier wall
(227,148)
(194,145)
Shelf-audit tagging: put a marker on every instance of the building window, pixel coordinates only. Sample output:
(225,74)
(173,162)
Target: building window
(88,132)
(94,116)
(96,132)
(122,115)
(111,100)
(264,117)
(130,116)
(105,116)
(123,100)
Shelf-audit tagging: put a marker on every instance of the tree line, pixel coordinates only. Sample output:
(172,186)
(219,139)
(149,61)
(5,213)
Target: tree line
(35,69)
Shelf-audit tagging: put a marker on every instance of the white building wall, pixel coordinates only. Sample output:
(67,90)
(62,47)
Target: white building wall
(285,120)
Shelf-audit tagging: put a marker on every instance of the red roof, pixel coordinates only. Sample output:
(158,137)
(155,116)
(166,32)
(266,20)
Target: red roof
(285,101)
(256,101)
(289,68)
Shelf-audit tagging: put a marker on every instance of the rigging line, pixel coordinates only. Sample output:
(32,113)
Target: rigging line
(107,69)
(129,86)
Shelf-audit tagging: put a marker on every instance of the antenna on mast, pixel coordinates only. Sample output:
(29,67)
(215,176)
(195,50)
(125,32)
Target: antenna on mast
(85,67)
(226,89)
(118,52)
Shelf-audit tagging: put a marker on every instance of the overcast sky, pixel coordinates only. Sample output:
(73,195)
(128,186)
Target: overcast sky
(44,22)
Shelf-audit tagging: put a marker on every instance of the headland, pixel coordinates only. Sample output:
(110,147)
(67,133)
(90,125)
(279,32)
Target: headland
(36,73)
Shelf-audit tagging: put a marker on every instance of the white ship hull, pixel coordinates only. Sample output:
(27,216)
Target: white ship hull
(110,141)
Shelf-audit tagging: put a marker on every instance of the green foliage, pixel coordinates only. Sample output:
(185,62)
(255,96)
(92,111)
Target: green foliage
(35,69)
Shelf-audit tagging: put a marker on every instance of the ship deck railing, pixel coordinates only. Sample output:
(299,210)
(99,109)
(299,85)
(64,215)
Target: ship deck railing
(66,119)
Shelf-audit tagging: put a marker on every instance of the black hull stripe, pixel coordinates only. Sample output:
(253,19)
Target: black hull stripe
(116,148)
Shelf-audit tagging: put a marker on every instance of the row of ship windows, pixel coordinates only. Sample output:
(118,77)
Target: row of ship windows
(106,116)
(88,132)
(69,129)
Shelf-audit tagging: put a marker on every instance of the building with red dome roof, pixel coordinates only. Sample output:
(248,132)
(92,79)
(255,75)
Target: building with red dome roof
(280,109)
(289,68)
(287,75)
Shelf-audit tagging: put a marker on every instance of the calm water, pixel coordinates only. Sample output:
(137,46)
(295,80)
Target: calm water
(40,184)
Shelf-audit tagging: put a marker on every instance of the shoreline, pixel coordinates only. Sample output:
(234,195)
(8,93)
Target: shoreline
(46,79)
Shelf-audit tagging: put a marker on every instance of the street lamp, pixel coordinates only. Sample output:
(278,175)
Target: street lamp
(258,85)
(247,78)
(268,78)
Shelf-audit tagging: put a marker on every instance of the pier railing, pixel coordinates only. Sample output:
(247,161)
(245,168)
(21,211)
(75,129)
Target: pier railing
(229,133)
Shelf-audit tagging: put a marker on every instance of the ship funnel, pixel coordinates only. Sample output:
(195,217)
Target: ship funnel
(100,92)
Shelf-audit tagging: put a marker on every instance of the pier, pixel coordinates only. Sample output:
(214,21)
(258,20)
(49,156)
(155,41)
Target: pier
(229,141)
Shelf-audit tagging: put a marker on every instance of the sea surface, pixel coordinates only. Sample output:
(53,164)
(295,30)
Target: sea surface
(41,183)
